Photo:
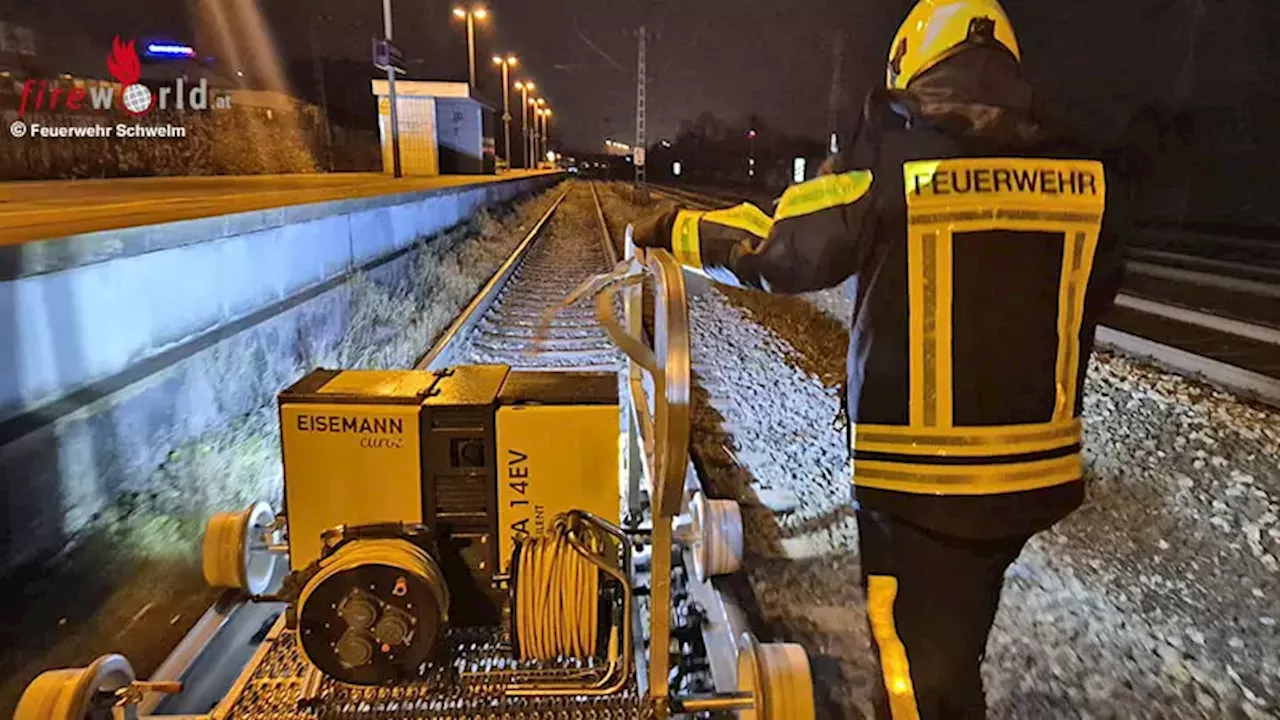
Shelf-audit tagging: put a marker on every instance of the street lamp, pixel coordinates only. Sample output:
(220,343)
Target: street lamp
(525,88)
(506,63)
(477,13)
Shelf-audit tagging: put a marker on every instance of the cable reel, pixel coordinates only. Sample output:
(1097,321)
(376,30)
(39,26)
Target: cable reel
(561,607)
(375,608)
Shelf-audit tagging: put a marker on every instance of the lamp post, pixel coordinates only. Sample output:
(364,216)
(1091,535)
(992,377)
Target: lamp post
(536,142)
(525,88)
(477,13)
(391,91)
(546,131)
(506,63)
(542,130)
(530,147)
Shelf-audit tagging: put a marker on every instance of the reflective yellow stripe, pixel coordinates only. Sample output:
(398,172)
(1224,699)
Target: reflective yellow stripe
(929,288)
(942,280)
(882,590)
(685,245)
(968,441)
(967,479)
(822,193)
(1067,289)
(1077,264)
(923,318)
(915,330)
(746,217)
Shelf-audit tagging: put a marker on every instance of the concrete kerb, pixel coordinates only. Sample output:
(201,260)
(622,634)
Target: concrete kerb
(63,253)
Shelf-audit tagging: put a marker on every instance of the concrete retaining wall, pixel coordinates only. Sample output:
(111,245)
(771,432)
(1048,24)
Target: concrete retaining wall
(113,364)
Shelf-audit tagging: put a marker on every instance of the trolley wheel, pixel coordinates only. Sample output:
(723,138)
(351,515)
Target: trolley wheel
(234,556)
(777,676)
(717,536)
(70,694)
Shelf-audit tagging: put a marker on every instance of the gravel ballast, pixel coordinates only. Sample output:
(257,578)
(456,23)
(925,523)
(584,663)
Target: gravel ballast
(1158,599)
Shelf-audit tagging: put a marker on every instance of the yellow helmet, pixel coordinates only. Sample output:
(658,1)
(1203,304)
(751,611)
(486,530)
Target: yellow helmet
(937,29)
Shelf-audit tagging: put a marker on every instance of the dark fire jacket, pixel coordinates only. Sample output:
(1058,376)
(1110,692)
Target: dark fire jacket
(980,251)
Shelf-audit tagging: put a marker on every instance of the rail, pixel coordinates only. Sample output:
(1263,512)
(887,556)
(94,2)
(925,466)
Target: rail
(437,357)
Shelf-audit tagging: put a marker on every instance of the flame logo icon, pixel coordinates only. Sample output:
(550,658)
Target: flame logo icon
(123,64)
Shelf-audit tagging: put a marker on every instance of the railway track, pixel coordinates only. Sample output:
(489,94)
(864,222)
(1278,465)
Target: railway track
(232,651)
(1250,251)
(502,324)
(1208,317)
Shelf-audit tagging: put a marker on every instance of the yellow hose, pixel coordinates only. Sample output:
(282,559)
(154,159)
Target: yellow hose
(557,598)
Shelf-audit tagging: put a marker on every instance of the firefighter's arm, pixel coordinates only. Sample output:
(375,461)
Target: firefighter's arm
(812,242)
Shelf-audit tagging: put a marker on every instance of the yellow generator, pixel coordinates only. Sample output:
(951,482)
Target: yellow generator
(407,494)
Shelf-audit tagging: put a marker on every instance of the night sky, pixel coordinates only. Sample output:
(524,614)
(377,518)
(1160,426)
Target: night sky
(1093,59)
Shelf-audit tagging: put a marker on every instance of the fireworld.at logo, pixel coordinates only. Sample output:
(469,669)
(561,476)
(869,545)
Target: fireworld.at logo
(135,98)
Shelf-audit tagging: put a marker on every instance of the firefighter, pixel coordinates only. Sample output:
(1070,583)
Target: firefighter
(980,248)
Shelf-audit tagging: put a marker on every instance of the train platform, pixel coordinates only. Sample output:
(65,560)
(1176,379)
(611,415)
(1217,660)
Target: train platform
(55,225)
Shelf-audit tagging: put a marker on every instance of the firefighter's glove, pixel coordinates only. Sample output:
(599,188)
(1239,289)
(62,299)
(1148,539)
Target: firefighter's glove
(653,231)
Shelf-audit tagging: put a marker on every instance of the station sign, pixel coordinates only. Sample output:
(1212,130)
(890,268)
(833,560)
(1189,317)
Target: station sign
(384,54)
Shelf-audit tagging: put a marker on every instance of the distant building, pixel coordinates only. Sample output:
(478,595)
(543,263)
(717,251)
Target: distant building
(443,129)
(617,149)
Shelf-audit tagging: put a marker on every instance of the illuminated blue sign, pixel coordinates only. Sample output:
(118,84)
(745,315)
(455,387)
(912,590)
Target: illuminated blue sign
(170,50)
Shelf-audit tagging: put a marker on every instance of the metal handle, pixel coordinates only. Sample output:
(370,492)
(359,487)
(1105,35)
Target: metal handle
(631,346)
(671,381)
